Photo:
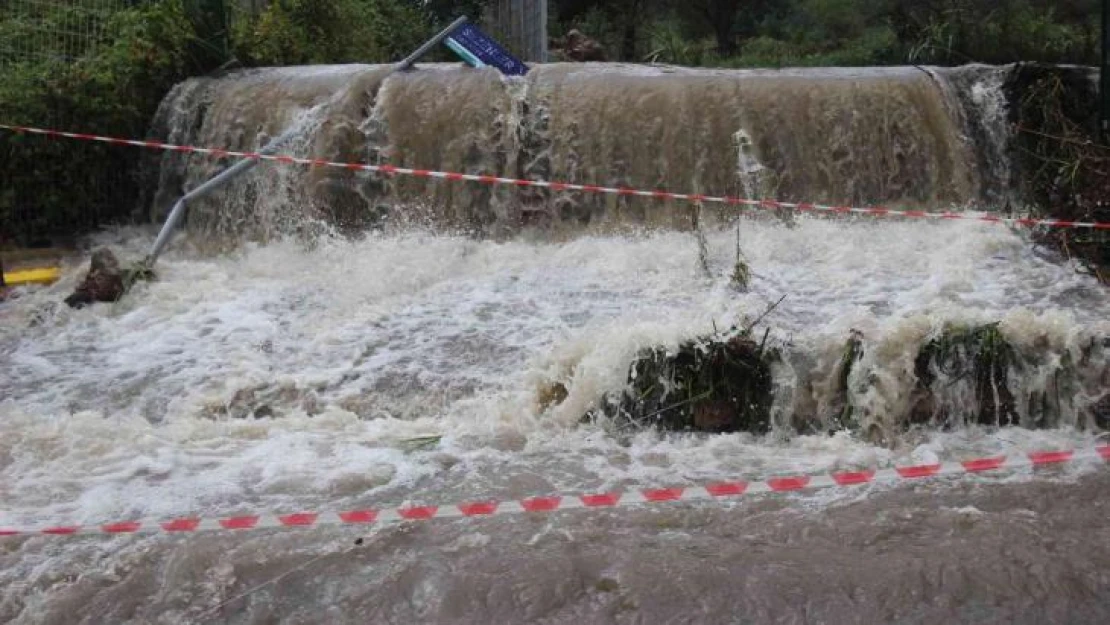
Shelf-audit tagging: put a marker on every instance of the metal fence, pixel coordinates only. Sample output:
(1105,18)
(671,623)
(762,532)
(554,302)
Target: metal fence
(521,25)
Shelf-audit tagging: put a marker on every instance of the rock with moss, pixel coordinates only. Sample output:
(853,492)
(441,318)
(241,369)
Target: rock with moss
(103,283)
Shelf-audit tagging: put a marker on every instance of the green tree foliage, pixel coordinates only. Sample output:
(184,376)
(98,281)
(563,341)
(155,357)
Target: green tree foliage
(52,187)
(297,32)
(838,32)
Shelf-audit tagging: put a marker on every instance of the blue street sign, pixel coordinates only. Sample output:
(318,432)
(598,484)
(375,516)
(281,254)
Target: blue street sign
(479,50)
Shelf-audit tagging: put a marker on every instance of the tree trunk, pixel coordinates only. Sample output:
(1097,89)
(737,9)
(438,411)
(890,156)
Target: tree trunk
(628,42)
(725,44)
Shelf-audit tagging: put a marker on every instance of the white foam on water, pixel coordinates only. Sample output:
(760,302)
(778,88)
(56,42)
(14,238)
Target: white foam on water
(360,350)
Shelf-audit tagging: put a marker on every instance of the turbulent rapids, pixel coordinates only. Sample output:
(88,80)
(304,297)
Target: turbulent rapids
(326,338)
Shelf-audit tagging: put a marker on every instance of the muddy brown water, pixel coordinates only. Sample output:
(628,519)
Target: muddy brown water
(293,375)
(954,551)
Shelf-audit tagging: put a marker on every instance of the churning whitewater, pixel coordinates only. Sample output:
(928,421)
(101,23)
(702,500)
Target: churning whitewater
(306,368)
(284,378)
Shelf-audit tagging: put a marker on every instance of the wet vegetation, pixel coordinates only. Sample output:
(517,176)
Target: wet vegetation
(1065,166)
(978,356)
(709,384)
(843,417)
(962,375)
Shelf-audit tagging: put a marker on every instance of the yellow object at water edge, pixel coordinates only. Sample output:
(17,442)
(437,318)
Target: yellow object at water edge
(45,275)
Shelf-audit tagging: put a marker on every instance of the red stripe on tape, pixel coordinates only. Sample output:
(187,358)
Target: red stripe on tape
(239,522)
(782,484)
(125,527)
(358,516)
(418,512)
(663,494)
(853,477)
(725,489)
(541,504)
(983,464)
(6,532)
(478,508)
(181,525)
(921,470)
(1050,457)
(299,519)
(61,531)
(1104,451)
(600,499)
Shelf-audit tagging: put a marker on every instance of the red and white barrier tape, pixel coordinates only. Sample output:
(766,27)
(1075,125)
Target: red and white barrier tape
(553,503)
(878,211)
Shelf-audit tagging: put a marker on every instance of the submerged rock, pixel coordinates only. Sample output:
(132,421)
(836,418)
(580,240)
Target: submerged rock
(103,283)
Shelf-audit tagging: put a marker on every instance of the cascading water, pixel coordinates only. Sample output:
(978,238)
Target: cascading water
(295,372)
(860,136)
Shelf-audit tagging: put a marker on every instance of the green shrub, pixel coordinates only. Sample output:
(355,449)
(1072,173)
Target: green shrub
(58,188)
(295,32)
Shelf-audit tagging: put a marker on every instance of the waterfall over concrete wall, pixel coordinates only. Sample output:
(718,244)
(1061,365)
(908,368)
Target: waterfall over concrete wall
(899,136)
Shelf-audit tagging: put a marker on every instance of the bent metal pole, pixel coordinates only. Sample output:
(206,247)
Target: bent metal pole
(271,148)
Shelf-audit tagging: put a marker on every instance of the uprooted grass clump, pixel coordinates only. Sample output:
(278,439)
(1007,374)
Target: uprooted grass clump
(843,416)
(979,356)
(711,384)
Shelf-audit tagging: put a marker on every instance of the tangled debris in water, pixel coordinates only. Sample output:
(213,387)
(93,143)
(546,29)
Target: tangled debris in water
(979,355)
(961,374)
(709,384)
